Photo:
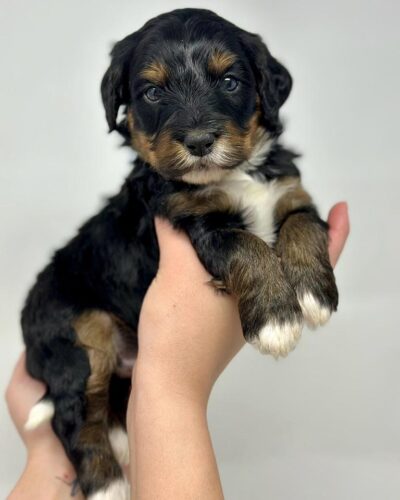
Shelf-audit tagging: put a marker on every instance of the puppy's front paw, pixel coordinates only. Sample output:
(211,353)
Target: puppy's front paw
(303,250)
(281,325)
(278,339)
(315,312)
(317,295)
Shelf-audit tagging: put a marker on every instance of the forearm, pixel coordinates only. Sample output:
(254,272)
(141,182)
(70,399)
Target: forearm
(172,454)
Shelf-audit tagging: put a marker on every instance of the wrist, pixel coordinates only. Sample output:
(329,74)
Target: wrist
(164,384)
(169,427)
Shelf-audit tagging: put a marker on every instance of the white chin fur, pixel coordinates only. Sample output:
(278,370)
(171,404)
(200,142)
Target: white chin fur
(277,339)
(314,312)
(117,490)
(119,444)
(40,413)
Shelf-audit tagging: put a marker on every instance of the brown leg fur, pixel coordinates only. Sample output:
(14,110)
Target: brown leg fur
(266,301)
(244,265)
(98,466)
(302,246)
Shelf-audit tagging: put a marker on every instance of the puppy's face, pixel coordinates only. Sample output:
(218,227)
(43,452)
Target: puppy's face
(199,94)
(193,111)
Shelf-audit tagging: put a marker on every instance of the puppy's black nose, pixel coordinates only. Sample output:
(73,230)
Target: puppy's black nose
(199,143)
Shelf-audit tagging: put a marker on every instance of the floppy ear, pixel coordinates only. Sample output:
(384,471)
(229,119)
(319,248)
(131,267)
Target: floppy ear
(273,80)
(115,82)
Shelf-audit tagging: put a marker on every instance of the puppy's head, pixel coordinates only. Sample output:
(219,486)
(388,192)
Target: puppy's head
(199,95)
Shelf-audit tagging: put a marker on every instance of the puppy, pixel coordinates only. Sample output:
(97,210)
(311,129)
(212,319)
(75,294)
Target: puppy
(200,102)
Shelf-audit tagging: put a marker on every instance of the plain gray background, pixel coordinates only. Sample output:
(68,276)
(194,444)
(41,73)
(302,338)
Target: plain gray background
(324,423)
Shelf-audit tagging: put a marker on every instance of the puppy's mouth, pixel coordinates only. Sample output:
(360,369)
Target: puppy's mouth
(221,156)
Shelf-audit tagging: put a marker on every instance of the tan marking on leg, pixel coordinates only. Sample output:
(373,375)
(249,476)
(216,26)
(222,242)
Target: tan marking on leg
(299,240)
(95,333)
(295,198)
(98,466)
(270,314)
(302,246)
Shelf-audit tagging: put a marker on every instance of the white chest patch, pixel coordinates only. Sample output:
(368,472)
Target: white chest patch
(256,198)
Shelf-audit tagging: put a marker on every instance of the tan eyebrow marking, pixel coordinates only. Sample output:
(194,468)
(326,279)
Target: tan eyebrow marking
(156,72)
(220,61)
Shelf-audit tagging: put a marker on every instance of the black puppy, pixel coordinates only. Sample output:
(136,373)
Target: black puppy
(200,101)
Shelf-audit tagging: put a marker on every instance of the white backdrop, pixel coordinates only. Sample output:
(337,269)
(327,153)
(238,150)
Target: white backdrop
(324,423)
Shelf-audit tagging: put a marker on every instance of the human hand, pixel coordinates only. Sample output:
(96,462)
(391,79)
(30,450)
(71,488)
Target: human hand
(48,473)
(192,333)
(187,331)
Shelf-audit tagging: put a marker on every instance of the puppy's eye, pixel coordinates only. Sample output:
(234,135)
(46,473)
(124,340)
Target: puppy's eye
(153,94)
(230,83)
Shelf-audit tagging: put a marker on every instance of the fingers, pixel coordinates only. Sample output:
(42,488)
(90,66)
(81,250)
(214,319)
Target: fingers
(21,379)
(22,393)
(339,228)
(19,371)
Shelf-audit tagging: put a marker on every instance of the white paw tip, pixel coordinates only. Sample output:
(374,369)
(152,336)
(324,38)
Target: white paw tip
(278,339)
(117,490)
(314,312)
(40,413)
(119,444)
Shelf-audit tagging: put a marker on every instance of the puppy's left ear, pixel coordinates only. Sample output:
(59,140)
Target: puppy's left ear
(273,80)
(115,82)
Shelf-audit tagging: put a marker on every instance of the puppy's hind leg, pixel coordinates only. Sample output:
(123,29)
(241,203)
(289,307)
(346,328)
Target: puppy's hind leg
(78,372)
(99,473)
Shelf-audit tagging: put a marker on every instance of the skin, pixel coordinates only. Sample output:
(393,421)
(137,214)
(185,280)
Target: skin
(182,353)
(48,474)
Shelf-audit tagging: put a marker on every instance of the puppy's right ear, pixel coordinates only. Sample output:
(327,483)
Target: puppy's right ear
(115,83)
(273,80)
